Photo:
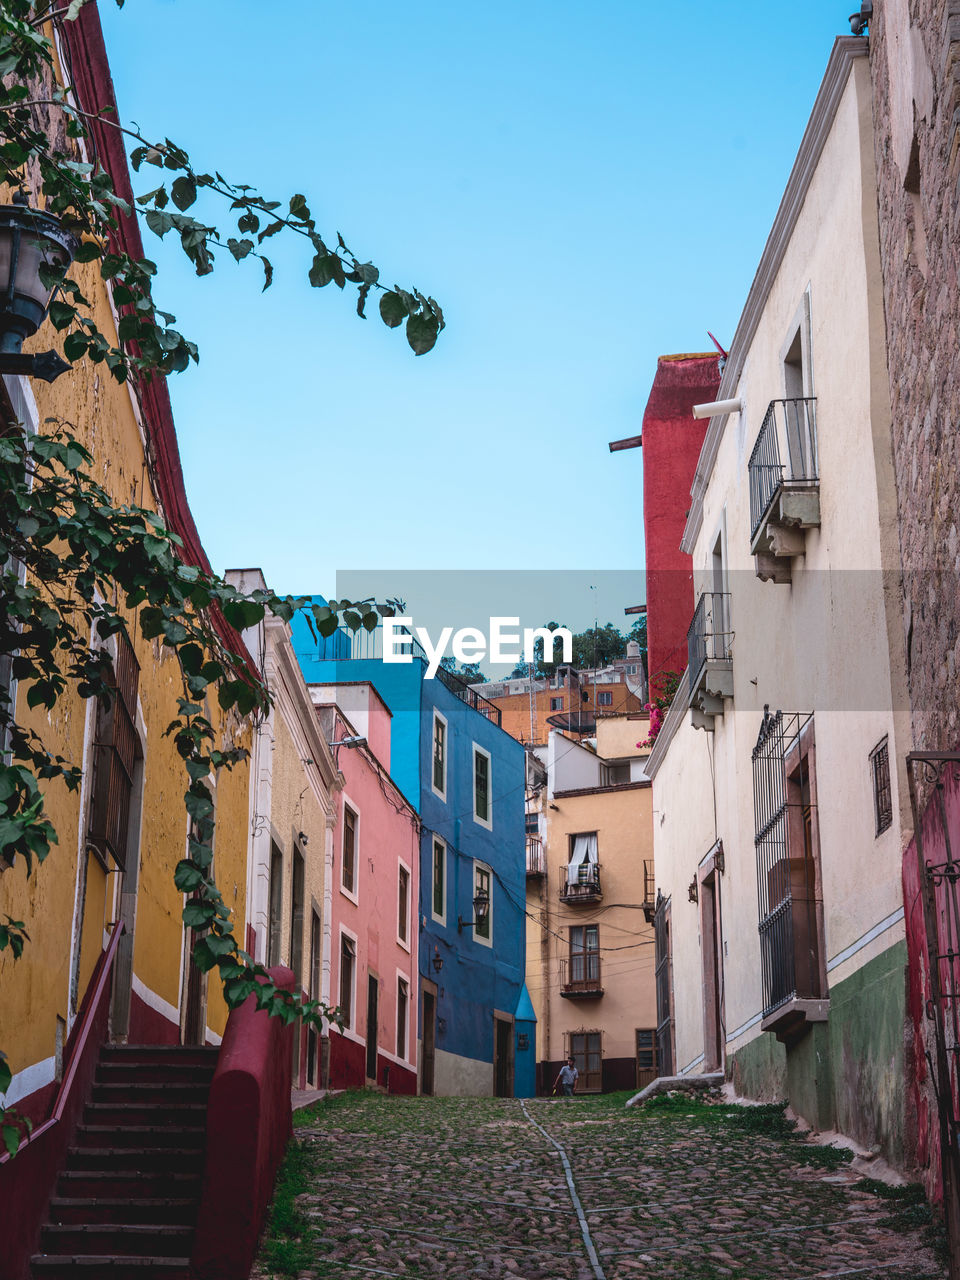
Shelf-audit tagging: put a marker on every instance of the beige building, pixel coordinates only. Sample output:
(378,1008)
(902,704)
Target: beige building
(780,802)
(294,784)
(590,953)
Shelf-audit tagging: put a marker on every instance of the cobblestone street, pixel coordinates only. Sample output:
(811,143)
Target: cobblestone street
(681,1190)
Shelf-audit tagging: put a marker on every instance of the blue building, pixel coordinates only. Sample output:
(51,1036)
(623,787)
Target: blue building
(465,777)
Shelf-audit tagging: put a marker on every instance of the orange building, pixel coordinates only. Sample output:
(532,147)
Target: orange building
(570,700)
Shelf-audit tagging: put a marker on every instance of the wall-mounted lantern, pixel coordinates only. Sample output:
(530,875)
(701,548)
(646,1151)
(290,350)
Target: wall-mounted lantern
(437,960)
(693,890)
(29,241)
(481,909)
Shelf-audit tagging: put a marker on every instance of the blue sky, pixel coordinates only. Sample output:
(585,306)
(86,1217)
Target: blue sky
(581,187)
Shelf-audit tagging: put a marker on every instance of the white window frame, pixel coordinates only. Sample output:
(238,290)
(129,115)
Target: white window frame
(354,894)
(478,750)
(434,841)
(482,866)
(437,715)
(404,866)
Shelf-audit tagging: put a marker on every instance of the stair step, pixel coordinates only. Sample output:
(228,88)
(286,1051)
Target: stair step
(79,1183)
(112,1266)
(159,1072)
(141,1159)
(156,1052)
(153,1115)
(119,1209)
(101,1238)
(139,1135)
(177,1093)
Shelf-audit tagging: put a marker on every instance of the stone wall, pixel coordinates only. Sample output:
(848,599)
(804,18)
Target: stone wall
(915,66)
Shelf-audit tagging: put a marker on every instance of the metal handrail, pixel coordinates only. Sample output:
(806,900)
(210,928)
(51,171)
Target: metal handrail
(709,634)
(785,452)
(588,888)
(469,695)
(581,972)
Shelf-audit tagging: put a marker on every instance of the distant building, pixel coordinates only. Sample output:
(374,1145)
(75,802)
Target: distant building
(569,699)
(369,961)
(590,904)
(671,442)
(464,776)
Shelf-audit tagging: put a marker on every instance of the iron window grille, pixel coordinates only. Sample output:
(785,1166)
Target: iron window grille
(786,871)
(882,791)
(116,752)
(348,953)
(709,635)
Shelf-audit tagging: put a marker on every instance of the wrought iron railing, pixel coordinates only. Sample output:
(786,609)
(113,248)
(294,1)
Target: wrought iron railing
(649,883)
(586,888)
(580,974)
(535,866)
(468,695)
(785,451)
(663,979)
(709,634)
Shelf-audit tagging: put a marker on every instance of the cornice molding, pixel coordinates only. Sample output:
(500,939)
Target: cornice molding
(846,50)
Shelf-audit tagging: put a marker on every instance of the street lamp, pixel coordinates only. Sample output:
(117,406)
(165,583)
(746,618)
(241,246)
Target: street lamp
(481,909)
(29,241)
(437,959)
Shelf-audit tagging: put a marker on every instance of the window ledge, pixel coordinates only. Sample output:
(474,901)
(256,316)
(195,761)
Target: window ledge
(790,1020)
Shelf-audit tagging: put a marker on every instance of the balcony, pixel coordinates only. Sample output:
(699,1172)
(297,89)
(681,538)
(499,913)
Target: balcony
(784,486)
(709,658)
(649,903)
(580,976)
(535,863)
(586,888)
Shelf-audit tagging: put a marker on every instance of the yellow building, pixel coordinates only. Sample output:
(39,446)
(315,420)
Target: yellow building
(590,961)
(123,832)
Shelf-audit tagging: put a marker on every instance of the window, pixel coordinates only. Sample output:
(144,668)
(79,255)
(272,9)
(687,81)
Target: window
(481,787)
(604,698)
(647,1049)
(614,775)
(583,865)
(439,755)
(348,958)
(349,871)
(586,1049)
(275,926)
(439,881)
(296,920)
(116,753)
(403,903)
(482,881)
(402,1004)
(882,792)
(585,955)
(531,823)
(556,704)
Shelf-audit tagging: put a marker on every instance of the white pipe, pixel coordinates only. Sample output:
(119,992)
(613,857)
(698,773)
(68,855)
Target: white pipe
(717,407)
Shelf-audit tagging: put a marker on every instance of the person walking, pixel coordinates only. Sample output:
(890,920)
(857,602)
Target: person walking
(567,1079)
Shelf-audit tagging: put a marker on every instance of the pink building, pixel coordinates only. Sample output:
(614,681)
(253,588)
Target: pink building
(371,890)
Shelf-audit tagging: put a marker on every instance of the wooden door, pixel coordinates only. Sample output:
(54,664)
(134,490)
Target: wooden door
(373,997)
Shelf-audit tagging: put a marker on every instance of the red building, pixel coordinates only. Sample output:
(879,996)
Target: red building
(671,441)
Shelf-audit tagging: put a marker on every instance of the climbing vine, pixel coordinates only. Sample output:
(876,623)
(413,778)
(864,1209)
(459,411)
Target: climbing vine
(79,569)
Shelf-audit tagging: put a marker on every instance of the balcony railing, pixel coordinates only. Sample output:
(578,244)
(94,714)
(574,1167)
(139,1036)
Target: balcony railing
(709,634)
(785,453)
(535,864)
(649,891)
(468,695)
(587,886)
(580,975)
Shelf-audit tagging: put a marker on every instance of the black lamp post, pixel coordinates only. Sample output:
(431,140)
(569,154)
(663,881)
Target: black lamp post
(481,909)
(29,241)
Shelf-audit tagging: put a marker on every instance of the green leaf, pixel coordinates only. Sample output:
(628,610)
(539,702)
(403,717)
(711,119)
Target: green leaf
(321,273)
(187,876)
(6,1075)
(242,613)
(183,192)
(198,914)
(11,1134)
(392,310)
(421,334)
(159,222)
(240,248)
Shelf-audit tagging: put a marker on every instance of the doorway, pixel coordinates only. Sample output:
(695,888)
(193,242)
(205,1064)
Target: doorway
(429,1041)
(711,935)
(373,999)
(502,1057)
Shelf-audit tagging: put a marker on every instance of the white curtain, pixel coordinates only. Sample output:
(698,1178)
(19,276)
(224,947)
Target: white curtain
(584,852)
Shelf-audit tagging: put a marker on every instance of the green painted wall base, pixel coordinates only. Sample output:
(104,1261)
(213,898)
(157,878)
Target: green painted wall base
(847,1073)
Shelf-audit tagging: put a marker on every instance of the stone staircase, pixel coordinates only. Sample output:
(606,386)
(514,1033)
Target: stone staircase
(126,1202)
